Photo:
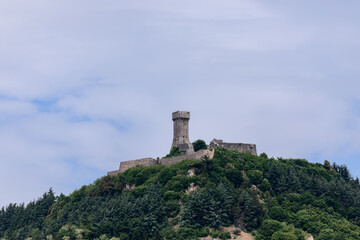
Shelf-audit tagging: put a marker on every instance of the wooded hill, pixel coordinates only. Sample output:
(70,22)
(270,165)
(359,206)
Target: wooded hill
(271,198)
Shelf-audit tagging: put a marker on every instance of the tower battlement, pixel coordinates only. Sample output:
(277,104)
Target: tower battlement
(180,114)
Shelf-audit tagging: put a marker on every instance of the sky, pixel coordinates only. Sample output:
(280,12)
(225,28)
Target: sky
(85,85)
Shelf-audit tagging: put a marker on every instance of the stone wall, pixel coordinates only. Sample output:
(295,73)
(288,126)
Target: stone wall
(164,161)
(240,147)
(138,162)
(132,163)
(215,143)
(195,155)
(113,173)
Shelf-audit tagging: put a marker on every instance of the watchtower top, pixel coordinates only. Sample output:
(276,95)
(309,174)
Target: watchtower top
(180,114)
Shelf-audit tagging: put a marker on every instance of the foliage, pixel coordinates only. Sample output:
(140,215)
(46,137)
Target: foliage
(199,144)
(248,211)
(275,198)
(174,152)
(210,206)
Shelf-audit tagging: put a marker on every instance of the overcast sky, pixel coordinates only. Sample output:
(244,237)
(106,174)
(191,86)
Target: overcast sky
(85,85)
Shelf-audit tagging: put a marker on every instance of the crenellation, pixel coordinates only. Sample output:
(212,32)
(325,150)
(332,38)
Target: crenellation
(180,114)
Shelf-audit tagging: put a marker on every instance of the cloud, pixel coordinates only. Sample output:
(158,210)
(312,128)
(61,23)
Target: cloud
(85,85)
(208,9)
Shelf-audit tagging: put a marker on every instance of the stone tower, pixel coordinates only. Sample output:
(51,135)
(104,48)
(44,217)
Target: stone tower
(181,131)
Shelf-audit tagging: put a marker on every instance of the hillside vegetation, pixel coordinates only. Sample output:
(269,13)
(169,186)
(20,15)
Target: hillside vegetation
(274,199)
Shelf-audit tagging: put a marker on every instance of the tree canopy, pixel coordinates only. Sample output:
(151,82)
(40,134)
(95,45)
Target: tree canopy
(272,198)
(199,144)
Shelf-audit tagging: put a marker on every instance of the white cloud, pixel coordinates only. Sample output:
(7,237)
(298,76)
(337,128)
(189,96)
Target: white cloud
(282,122)
(113,72)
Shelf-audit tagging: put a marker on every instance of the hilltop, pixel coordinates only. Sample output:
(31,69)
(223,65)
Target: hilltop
(224,197)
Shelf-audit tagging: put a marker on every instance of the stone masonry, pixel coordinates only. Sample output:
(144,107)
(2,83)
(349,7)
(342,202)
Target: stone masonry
(181,132)
(195,155)
(240,147)
(181,140)
(163,161)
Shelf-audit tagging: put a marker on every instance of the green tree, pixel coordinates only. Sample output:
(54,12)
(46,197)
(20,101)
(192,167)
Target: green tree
(235,176)
(278,213)
(248,213)
(326,234)
(284,236)
(255,176)
(211,206)
(268,228)
(327,164)
(199,144)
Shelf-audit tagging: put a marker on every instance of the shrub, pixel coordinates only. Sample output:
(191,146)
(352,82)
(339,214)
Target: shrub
(265,185)
(284,236)
(326,234)
(171,195)
(174,152)
(221,235)
(172,208)
(255,176)
(186,233)
(235,176)
(278,213)
(178,183)
(269,227)
(199,144)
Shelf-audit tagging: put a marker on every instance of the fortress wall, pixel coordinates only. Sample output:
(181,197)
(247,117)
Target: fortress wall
(240,147)
(132,163)
(164,161)
(113,173)
(196,155)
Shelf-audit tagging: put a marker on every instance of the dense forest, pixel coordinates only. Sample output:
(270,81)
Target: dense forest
(273,199)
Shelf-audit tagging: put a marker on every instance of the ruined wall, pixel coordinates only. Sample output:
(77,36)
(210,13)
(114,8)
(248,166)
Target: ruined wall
(113,173)
(181,131)
(195,155)
(240,147)
(164,161)
(132,163)
(138,162)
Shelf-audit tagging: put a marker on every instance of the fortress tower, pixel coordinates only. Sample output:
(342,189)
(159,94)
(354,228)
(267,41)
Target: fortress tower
(181,131)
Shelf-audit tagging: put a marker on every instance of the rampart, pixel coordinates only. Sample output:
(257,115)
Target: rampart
(163,161)
(240,147)
(195,155)
(133,163)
